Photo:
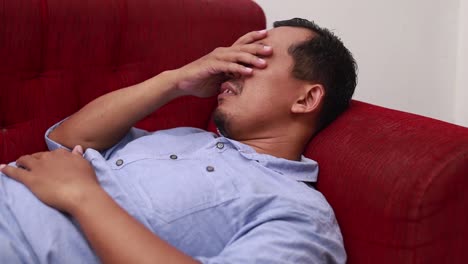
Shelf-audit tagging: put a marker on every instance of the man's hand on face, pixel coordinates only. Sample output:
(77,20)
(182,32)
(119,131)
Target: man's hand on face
(203,77)
(58,178)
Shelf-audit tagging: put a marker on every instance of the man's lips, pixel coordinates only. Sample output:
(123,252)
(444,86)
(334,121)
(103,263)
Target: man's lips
(228,89)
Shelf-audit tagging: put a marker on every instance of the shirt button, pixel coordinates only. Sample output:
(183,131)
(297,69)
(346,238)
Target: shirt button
(209,168)
(220,145)
(173,156)
(119,162)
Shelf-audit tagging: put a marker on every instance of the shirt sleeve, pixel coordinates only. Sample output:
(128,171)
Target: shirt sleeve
(132,134)
(290,238)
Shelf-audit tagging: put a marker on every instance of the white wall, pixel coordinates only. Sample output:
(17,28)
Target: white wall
(406,49)
(461,92)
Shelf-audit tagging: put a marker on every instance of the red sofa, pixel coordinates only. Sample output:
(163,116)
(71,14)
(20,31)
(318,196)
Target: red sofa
(396,180)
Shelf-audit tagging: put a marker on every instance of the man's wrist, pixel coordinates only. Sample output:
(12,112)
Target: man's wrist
(85,198)
(173,79)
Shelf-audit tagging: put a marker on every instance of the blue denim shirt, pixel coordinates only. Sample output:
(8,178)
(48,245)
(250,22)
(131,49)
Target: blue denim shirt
(213,198)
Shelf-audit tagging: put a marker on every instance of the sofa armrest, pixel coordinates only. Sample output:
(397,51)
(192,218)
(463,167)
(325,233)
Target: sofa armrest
(397,184)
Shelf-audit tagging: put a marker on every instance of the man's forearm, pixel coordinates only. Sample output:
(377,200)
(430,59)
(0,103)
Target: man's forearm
(104,121)
(118,238)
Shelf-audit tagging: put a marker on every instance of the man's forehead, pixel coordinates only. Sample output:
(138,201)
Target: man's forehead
(281,38)
(289,34)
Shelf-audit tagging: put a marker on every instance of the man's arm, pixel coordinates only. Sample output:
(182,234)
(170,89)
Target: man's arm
(104,121)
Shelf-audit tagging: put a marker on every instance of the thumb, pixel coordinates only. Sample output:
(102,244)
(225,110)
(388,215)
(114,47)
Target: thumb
(78,150)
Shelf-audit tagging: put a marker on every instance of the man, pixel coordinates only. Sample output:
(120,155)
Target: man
(186,195)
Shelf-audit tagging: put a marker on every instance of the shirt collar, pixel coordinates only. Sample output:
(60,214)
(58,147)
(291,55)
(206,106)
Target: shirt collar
(305,170)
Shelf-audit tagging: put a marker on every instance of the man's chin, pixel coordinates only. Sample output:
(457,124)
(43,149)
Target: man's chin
(221,121)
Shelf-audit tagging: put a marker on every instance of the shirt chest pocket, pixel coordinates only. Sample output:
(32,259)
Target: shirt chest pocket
(174,188)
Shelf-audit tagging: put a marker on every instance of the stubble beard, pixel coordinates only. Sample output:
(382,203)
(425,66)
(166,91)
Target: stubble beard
(221,121)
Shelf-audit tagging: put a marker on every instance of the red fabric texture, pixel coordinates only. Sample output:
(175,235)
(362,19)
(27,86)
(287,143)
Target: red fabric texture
(395,180)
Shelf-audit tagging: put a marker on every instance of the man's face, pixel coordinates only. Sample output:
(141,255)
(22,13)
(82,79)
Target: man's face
(262,102)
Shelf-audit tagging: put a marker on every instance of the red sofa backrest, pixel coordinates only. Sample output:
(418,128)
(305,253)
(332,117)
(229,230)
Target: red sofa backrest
(57,55)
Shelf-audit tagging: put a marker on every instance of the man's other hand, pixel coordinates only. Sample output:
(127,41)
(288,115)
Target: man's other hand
(203,77)
(59,178)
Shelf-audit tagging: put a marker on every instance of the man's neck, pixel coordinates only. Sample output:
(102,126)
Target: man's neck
(287,146)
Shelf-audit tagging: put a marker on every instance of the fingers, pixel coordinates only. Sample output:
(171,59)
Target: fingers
(230,68)
(236,69)
(37,155)
(242,58)
(14,173)
(256,49)
(27,161)
(201,77)
(244,55)
(78,150)
(251,37)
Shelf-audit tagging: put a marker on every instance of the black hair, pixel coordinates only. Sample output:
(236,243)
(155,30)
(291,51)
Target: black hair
(324,59)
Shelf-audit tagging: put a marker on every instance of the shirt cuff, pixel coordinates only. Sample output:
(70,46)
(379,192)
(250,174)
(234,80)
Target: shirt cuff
(51,144)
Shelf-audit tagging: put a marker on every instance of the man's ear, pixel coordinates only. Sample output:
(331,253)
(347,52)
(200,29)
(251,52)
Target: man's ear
(309,100)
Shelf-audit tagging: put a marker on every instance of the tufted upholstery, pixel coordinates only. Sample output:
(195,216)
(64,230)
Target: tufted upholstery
(395,180)
(56,56)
